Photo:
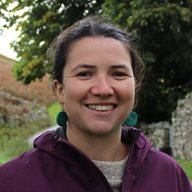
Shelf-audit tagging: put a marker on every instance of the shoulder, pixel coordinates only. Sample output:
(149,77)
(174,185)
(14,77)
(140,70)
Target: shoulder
(18,163)
(162,159)
(21,170)
(168,169)
(155,158)
(158,168)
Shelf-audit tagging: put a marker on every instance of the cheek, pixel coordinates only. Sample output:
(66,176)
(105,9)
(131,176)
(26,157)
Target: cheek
(128,96)
(72,93)
(76,88)
(68,93)
(128,90)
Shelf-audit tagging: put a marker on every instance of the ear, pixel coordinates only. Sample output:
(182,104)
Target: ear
(58,90)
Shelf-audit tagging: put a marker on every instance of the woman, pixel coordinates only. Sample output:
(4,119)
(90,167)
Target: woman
(97,75)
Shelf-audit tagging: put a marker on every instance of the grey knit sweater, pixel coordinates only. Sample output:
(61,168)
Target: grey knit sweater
(113,171)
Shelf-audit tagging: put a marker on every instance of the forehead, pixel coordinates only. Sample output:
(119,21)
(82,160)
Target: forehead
(107,47)
(98,40)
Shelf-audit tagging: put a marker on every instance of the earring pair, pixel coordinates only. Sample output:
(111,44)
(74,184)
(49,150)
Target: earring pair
(130,121)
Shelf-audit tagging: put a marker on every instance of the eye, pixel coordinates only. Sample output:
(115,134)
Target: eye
(119,74)
(84,74)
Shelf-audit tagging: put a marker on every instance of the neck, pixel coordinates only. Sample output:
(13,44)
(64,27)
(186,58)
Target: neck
(106,147)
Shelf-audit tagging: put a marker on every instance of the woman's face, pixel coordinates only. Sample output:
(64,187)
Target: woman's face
(99,88)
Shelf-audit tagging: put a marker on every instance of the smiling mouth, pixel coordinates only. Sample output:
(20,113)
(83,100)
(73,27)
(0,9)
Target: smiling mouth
(101,107)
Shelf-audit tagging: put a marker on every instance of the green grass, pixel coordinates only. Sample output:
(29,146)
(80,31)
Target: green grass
(53,110)
(3,159)
(14,141)
(187,167)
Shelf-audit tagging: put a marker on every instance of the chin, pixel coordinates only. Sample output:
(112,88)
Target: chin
(101,130)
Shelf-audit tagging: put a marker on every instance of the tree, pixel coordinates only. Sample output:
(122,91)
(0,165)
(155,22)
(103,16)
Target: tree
(164,32)
(39,22)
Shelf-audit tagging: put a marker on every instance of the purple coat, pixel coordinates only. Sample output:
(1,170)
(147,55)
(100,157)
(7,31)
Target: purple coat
(54,165)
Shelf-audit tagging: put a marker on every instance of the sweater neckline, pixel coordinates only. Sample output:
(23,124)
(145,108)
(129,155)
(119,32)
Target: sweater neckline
(113,171)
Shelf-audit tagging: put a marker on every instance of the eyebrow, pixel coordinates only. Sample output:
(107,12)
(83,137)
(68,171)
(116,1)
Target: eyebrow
(123,66)
(83,66)
(90,66)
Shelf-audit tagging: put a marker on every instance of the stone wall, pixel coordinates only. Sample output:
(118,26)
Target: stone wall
(176,136)
(15,111)
(182,128)
(158,133)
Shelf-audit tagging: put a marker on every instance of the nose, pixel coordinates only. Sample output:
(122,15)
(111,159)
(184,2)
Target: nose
(102,87)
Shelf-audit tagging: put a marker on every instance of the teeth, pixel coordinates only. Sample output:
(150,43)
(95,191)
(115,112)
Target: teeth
(101,107)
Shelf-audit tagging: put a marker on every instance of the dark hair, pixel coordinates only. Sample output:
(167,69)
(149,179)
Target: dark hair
(91,27)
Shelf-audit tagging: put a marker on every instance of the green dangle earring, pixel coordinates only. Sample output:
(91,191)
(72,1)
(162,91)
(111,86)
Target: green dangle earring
(131,119)
(62,119)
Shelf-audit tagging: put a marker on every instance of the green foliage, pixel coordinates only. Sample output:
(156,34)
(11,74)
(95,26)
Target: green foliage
(11,142)
(187,167)
(164,35)
(53,110)
(39,22)
(14,141)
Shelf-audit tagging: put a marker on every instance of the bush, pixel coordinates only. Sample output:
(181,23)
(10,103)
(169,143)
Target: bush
(14,141)
(53,110)
(187,166)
